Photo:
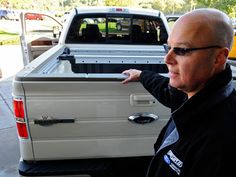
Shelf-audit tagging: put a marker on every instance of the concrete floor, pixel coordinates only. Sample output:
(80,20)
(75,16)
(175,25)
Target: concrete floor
(9,148)
(10,63)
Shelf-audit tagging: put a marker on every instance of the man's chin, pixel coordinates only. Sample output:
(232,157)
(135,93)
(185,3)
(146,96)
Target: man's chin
(173,83)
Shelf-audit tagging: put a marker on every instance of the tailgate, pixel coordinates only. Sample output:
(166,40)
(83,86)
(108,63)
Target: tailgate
(81,119)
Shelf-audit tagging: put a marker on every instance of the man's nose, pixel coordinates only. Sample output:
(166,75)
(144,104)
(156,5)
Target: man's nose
(170,57)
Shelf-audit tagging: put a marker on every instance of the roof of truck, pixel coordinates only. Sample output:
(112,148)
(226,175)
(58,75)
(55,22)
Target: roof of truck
(117,10)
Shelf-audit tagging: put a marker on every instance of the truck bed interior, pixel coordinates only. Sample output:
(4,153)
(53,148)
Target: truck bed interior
(108,64)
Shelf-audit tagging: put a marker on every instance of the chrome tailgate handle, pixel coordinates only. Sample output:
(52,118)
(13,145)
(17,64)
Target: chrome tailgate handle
(143,118)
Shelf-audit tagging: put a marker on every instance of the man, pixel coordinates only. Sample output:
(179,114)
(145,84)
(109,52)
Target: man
(199,139)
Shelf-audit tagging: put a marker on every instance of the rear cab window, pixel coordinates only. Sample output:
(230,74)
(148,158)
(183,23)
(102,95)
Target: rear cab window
(117,29)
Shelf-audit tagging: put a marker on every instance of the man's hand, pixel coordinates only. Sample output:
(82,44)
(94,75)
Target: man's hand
(133,75)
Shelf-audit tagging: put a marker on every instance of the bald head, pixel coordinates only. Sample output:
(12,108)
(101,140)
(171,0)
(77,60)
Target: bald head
(209,24)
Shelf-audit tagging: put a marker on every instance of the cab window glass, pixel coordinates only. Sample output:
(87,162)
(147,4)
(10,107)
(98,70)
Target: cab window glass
(117,29)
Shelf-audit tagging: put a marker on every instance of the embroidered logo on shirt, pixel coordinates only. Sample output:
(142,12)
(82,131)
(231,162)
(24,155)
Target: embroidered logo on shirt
(166,159)
(173,162)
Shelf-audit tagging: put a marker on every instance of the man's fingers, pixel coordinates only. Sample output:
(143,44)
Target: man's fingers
(126,80)
(133,75)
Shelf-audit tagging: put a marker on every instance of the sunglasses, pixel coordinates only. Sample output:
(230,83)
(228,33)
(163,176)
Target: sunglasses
(183,51)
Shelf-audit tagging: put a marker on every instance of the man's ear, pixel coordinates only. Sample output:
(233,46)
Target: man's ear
(222,56)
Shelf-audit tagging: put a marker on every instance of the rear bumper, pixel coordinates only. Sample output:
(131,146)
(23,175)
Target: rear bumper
(115,167)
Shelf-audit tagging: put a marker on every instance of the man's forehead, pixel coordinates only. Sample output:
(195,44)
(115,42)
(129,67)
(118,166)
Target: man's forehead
(189,35)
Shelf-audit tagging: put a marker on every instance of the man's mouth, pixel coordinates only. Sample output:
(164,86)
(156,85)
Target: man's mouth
(173,74)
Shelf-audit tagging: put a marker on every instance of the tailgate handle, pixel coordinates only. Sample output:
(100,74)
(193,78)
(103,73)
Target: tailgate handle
(142,100)
(143,118)
(53,121)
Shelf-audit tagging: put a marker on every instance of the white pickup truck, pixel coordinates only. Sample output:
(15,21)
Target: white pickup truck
(73,115)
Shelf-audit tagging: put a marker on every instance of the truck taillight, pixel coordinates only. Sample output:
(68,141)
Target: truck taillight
(18,108)
(20,117)
(22,129)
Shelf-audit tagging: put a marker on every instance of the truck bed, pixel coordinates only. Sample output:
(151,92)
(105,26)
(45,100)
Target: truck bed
(92,109)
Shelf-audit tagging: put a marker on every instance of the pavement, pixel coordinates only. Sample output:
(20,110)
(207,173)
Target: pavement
(9,148)
(10,63)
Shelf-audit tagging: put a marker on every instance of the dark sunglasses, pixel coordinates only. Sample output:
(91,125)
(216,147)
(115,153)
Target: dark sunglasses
(183,51)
